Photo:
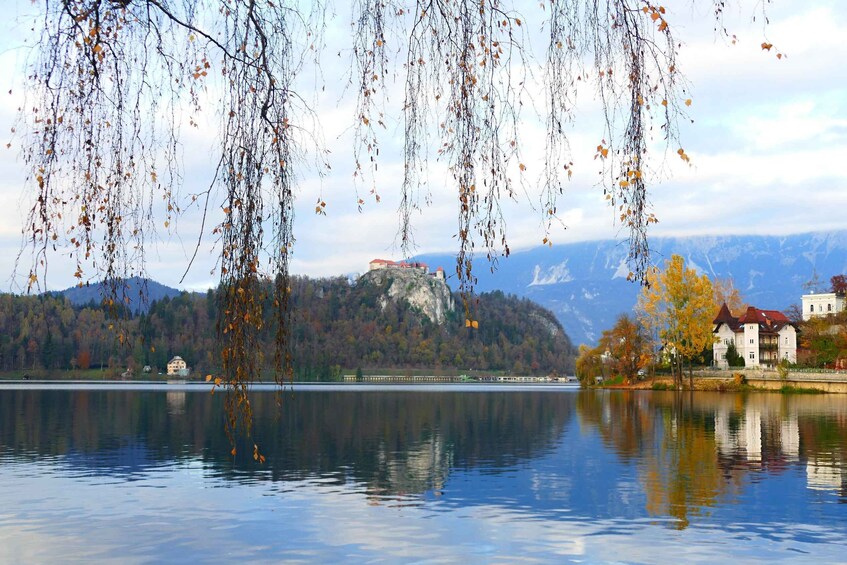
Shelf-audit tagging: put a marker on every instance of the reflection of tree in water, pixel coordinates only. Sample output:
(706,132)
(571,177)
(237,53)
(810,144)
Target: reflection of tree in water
(671,445)
(694,450)
(393,442)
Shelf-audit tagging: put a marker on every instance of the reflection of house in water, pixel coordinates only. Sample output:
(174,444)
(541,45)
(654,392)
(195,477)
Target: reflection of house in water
(176,401)
(789,437)
(741,435)
(749,439)
(824,472)
(746,437)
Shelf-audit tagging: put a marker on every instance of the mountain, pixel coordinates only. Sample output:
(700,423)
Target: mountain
(136,293)
(585,285)
(395,320)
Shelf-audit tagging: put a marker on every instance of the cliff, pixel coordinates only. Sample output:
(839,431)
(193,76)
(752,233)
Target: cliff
(425,294)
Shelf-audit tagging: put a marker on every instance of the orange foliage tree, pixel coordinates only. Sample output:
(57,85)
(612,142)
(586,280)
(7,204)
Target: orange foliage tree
(679,305)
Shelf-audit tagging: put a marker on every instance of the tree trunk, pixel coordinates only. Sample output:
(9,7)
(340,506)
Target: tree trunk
(691,375)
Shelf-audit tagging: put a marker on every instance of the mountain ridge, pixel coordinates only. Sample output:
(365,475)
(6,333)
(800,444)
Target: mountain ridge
(136,293)
(585,284)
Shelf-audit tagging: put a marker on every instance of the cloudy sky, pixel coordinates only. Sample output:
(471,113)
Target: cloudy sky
(768,148)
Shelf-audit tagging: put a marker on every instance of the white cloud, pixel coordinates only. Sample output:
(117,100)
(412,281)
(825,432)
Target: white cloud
(766,147)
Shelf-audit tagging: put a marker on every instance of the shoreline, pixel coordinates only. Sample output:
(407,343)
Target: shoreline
(740,382)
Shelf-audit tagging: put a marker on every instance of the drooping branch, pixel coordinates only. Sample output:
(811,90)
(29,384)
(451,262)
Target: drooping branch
(112,84)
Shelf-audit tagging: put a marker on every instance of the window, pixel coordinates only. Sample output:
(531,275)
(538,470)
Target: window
(726,341)
(786,340)
(752,341)
(811,307)
(829,307)
(723,355)
(752,355)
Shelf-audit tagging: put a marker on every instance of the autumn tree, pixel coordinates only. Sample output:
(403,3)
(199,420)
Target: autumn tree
(727,293)
(838,284)
(628,345)
(679,305)
(588,364)
(112,84)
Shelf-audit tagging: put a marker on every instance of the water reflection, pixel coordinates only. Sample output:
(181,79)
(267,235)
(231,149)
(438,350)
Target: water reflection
(694,451)
(395,442)
(557,473)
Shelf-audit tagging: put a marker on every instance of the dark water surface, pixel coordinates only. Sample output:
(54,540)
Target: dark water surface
(441,475)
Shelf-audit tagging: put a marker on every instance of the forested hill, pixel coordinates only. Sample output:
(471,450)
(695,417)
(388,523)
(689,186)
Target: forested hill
(337,327)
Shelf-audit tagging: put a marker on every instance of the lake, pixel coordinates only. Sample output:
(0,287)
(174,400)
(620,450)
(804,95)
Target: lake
(135,474)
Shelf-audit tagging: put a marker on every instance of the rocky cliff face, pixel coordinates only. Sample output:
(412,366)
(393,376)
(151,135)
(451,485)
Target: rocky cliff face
(430,296)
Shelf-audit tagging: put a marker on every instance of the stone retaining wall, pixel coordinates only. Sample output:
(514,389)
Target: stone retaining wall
(770,379)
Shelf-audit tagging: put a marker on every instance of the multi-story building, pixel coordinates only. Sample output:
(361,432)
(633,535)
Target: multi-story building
(177,366)
(761,337)
(823,304)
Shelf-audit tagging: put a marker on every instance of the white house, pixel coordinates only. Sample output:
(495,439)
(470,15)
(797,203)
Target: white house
(177,365)
(823,304)
(761,337)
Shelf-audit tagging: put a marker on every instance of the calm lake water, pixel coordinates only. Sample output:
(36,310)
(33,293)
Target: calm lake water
(453,474)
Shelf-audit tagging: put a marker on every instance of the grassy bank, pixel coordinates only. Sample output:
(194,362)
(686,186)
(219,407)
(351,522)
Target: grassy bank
(736,384)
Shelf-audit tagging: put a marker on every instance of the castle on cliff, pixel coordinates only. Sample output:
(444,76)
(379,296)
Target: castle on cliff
(422,267)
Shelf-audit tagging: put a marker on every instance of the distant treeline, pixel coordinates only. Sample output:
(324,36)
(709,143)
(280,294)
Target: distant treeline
(337,327)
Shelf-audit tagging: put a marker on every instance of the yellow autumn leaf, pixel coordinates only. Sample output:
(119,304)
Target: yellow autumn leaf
(688,101)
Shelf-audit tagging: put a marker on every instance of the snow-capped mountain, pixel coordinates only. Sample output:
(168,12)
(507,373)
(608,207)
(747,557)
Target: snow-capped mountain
(585,284)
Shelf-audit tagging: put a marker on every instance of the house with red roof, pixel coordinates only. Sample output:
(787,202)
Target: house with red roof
(762,337)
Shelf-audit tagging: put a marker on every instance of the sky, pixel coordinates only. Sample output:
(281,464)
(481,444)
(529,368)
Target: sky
(767,145)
